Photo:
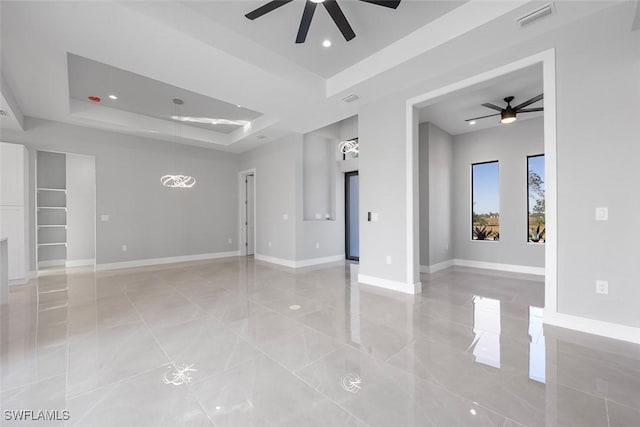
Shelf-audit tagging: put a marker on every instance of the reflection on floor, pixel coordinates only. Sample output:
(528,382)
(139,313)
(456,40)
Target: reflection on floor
(238,343)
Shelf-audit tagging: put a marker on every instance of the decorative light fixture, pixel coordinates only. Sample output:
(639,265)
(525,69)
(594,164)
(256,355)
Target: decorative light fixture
(177,181)
(508,116)
(211,121)
(349,146)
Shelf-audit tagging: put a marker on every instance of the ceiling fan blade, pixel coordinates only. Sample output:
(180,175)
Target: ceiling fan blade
(530,110)
(493,107)
(386,3)
(305,23)
(338,17)
(482,117)
(529,102)
(269,7)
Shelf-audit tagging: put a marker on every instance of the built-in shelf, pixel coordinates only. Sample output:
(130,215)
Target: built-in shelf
(52,226)
(52,207)
(52,244)
(51,189)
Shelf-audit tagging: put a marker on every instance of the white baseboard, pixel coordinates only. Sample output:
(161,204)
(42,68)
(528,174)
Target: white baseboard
(52,263)
(168,260)
(407,288)
(500,267)
(80,262)
(595,327)
(24,280)
(301,263)
(436,267)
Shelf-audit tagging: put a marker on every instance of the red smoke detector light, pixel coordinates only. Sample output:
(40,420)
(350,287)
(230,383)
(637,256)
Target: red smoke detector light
(94,98)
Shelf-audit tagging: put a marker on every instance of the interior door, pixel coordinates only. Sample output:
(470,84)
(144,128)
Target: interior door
(352,215)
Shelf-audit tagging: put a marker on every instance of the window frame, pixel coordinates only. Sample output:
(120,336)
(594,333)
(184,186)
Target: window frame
(471,211)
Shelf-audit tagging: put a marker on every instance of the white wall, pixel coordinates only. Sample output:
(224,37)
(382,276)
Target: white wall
(81,217)
(509,145)
(153,221)
(597,64)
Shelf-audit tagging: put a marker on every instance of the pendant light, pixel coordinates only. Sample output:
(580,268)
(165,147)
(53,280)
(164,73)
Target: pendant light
(177,181)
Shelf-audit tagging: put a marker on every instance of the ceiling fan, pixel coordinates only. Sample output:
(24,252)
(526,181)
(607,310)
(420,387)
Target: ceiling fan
(309,9)
(508,114)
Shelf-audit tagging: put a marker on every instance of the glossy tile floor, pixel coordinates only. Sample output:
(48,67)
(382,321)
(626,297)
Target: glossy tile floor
(240,343)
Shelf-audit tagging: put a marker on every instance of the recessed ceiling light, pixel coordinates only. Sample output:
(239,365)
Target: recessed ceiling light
(113,97)
(472,122)
(238,105)
(326,43)
(317,1)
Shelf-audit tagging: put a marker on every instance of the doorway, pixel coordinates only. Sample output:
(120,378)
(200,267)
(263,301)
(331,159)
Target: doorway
(352,223)
(247,239)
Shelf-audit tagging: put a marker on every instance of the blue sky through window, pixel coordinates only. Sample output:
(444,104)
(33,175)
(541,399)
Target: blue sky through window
(536,164)
(486,188)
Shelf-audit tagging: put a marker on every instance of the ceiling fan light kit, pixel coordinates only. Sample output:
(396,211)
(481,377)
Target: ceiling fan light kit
(332,7)
(509,114)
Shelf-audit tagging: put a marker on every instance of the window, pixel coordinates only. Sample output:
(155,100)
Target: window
(485,189)
(535,197)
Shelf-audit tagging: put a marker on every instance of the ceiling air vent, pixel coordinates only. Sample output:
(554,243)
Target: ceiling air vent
(545,10)
(4,113)
(351,97)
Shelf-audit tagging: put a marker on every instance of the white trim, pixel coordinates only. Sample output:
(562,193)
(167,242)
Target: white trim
(323,260)
(51,263)
(436,267)
(168,260)
(80,262)
(301,263)
(407,288)
(595,327)
(547,58)
(514,268)
(274,260)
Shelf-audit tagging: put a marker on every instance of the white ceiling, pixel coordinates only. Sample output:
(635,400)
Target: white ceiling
(210,50)
(142,95)
(450,114)
(375,27)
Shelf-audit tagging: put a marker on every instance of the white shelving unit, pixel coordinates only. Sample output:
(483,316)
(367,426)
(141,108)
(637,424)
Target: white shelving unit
(51,226)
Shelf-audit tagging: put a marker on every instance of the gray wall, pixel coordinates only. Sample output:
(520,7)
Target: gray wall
(153,221)
(440,194)
(318,177)
(510,145)
(81,217)
(597,64)
(276,165)
(279,190)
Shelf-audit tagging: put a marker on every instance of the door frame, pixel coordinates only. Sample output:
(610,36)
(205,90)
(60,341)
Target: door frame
(346,214)
(242,247)
(548,61)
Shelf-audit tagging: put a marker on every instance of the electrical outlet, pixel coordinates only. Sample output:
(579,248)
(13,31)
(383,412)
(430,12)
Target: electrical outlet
(318,216)
(388,259)
(124,248)
(602,214)
(602,287)
(269,243)
(230,241)
(285,217)
(317,245)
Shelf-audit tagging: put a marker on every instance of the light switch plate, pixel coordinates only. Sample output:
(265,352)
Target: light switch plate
(602,287)
(285,217)
(374,216)
(602,214)
(104,218)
